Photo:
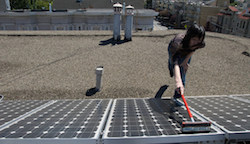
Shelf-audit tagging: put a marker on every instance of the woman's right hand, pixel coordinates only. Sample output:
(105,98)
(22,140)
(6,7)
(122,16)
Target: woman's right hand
(178,80)
(180,88)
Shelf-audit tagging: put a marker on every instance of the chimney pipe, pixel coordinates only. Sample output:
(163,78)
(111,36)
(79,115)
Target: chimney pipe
(7,3)
(117,21)
(129,22)
(50,7)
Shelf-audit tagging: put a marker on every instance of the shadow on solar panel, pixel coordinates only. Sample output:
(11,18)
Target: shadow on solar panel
(148,121)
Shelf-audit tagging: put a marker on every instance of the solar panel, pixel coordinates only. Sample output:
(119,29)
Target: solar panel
(230,114)
(74,120)
(149,121)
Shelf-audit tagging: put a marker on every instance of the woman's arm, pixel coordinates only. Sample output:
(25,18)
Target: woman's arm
(177,77)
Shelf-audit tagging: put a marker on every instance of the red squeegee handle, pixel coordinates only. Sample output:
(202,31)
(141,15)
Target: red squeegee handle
(185,102)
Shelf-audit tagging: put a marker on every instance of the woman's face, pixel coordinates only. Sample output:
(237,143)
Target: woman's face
(194,41)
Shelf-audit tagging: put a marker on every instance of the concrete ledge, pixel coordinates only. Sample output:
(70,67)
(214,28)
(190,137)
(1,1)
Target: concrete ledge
(162,33)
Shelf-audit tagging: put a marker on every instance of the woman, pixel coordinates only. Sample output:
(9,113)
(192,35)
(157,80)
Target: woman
(180,51)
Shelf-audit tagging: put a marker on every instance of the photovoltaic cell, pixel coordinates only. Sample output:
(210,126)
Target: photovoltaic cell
(63,119)
(231,114)
(10,110)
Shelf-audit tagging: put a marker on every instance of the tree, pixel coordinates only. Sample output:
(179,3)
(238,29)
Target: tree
(42,4)
(30,4)
(20,4)
(148,4)
(234,3)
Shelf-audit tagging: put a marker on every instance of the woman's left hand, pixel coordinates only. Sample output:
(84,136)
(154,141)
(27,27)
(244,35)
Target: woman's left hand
(185,66)
(185,63)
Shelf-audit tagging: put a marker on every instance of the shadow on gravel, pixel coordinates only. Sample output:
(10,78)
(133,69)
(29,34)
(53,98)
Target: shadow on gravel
(161,91)
(245,53)
(91,92)
(112,41)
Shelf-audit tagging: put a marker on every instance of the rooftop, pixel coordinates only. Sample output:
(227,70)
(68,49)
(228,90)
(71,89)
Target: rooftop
(61,65)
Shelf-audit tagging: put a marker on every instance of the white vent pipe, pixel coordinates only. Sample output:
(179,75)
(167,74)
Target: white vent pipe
(98,72)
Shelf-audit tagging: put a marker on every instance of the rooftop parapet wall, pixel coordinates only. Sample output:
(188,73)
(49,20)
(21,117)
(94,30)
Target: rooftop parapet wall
(101,19)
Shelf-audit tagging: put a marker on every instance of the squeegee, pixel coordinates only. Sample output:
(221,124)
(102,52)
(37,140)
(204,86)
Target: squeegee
(193,126)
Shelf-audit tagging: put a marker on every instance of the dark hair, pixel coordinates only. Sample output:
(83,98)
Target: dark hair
(194,31)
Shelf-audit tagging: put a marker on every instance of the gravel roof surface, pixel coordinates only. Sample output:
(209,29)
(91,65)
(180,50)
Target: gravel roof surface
(61,65)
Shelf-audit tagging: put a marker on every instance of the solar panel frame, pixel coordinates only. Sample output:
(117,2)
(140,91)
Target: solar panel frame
(230,135)
(48,141)
(244,98)
(218,136)
(91,140)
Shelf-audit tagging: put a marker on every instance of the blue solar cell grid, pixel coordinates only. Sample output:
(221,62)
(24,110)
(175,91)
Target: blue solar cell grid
(10,110)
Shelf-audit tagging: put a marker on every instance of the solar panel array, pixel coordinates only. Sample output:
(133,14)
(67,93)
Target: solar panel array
(122,120)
